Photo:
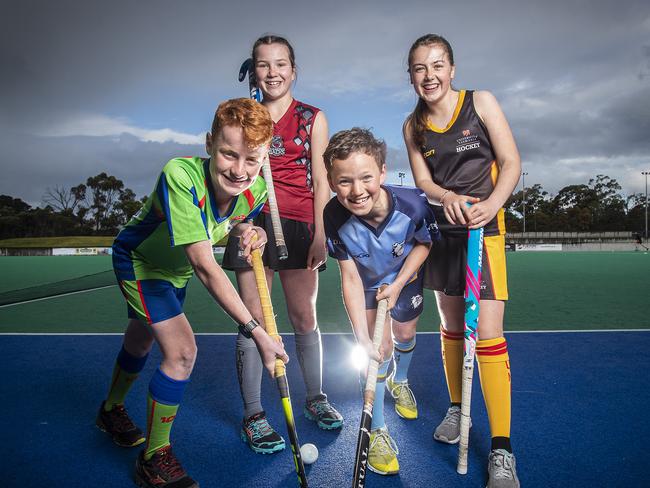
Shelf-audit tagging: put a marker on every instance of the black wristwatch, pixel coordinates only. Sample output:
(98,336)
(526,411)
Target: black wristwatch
(247,329)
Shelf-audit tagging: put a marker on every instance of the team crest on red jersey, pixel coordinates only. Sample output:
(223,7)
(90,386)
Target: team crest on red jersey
(277,146)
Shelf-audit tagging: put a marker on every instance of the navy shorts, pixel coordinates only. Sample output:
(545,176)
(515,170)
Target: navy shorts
(152,301)
(409,304)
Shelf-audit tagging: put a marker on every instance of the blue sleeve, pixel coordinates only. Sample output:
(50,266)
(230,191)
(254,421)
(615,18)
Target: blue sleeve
(426,228)
(335,246)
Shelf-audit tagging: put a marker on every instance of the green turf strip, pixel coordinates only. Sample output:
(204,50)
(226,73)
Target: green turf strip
(26,271)
(549,290)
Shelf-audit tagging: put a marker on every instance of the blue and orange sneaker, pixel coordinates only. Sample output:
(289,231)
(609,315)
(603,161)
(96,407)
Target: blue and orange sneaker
(260,436)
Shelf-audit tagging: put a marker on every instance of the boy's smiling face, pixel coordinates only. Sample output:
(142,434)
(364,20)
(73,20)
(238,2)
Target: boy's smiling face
(234,166)
(357,182)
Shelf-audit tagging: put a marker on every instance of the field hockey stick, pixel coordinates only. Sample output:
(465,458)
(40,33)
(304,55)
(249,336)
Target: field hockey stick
(280,370)
(255,93)
(472,306)
(363,439)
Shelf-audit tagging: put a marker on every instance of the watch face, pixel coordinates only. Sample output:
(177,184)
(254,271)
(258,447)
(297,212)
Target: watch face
(247,329)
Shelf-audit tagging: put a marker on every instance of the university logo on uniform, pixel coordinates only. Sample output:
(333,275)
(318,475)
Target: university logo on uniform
(277,146)
(466,132)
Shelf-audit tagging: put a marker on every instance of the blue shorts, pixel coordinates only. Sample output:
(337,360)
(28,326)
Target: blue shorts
(409,304)
(152,301)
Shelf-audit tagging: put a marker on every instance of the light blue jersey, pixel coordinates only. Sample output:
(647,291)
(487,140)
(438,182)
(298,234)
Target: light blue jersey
(379,253)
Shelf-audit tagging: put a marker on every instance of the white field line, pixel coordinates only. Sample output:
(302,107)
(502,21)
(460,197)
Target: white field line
(56,296)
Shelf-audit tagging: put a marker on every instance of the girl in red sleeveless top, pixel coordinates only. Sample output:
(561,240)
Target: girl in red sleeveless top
(300,180)
(462,151)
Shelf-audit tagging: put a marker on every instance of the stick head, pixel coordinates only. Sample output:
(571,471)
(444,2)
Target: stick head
(246,67)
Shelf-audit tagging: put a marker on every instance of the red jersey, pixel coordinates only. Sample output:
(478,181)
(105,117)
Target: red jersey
(290,156)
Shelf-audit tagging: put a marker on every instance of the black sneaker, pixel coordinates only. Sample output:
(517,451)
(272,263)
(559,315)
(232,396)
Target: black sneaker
(163,470)
(119,426)
(260,436)
(322,412)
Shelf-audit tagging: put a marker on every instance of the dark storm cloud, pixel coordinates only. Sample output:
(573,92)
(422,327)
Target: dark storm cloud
(573,79)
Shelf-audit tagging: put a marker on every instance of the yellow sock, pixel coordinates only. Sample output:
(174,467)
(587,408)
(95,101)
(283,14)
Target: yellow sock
(494,371)
(121,383)
(451,345)
(160,418)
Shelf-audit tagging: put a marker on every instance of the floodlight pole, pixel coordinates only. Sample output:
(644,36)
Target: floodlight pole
(646,173)
(523,188)
(401,175)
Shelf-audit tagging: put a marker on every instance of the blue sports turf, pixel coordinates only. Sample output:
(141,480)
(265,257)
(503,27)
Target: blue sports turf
(580,403)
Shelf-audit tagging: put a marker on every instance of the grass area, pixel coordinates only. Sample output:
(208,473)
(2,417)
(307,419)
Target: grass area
(25,271)
(553,290)
(68,241)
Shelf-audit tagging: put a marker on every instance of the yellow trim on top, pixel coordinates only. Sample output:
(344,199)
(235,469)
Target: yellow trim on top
(459,105)
(494,172)
(501,219)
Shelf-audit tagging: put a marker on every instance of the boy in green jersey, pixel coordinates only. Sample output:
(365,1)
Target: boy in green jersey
(195,204)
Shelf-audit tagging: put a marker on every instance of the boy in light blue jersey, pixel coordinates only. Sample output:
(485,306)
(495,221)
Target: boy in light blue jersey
(380,234)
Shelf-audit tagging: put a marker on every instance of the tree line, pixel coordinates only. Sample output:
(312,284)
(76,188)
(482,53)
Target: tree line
(102,205)
(597,206)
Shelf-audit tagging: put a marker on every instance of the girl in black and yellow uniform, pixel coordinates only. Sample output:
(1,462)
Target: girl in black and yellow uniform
(462,151)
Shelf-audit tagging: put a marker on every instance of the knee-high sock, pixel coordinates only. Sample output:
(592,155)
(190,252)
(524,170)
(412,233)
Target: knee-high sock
(402,356)
(451,345)
(165,395)
(494,370)
(378,407)
(310,357)
(249,373)
(126,370)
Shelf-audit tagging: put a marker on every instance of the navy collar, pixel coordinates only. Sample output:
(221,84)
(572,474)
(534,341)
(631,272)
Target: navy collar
(380,228)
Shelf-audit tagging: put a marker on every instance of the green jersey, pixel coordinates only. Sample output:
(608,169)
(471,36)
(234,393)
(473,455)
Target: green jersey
(181,210)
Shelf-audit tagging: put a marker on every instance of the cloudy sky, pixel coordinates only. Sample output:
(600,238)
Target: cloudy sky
(123,86)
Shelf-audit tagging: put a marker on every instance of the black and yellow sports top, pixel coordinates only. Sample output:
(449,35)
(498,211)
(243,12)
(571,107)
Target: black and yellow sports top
(461,159)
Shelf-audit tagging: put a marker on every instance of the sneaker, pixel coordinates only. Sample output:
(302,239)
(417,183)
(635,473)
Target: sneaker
(322,412)
(502,472)
(119,426)
(162,471)
(260,436)
(449,429)
(405,404)
(382,455)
